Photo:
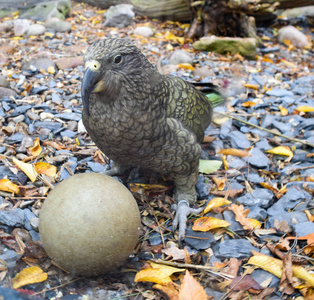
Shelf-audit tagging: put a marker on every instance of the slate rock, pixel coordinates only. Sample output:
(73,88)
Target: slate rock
(15,138)
(279,93)
(268,120)
(10,257)
(96,167)
(305,228)
(120,15)
(28,215)
(199,240)
(180,56)
(69,116)
(258,159)
(291,218)
(239,140)
(238,248)
(13,218)
(238,163)
(251,177)
(261,275)
(72,164)
(48,125)
(261,197)
(283,127)
(235,226)
(68,133)
(257,213)
(201,188)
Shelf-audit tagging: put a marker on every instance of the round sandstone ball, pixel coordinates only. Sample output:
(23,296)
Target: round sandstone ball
(89,224)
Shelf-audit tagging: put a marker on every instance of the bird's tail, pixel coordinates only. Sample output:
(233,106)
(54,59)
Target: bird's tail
(212,93)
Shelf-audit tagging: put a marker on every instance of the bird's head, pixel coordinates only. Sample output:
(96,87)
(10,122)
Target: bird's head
(110,65)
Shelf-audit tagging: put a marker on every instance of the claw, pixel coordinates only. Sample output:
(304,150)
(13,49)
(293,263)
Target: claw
(182,212)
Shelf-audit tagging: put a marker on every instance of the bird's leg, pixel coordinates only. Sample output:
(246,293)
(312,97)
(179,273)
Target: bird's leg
(185,196)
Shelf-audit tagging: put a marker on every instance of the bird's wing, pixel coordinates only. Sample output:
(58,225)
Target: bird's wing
(188,105)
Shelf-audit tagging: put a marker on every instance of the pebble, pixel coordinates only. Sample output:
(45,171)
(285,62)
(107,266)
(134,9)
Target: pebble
(21,26)
(38,64)
(180,57)
(144,31)
(58,25)
(36,29)
(295,36)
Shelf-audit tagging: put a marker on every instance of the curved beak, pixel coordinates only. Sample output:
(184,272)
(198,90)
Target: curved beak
(89,82)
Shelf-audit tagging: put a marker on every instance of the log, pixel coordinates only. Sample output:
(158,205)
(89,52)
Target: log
(234,18)
(175,10)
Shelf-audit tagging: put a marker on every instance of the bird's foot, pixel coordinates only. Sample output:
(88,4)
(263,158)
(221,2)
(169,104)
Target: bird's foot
(115,170)
(183,210)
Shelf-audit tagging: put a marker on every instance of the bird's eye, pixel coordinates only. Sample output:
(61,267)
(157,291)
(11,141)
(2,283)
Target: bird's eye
(117,59)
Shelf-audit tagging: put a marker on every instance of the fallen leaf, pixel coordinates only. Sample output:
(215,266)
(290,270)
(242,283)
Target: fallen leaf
(186,66)
(168,270)
(251,86)
(191,289)
(249,104)
(175,253)
(208,223)
(152,275)
(274,266)
(244,284)
(28,169)
(36,149)
(8,186)
(234,152)
(209,166)
(255,223)
(281,150)
(28,276)
(46,169)
(220,183)
(216,202)
(305,108)
(240,216)
(169,290)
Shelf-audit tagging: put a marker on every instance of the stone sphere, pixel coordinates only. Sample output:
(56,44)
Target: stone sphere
(89,224)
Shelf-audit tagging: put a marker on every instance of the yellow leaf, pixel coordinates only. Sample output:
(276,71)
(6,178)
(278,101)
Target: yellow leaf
(28,276)
(167,270)
(101,11)
(8,186)
(216,202)
(36,149)
(208,223)
(191,289)
(305,108)
(283,111)
(186,66)
(249,104)
(274,266)
(28,169)
(234,152)
(46,169)
(251,86)
(267,263)
(152,275)
(255,223)
(281,150)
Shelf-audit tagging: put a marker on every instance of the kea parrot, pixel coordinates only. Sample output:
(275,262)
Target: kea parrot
(141,118)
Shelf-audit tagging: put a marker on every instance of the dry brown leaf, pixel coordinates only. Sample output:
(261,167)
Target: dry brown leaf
(169,290)
(244,284)
(36,149)
(8,186)
(286,281)
(234,152)
(240,216)
(191,289)
(278,193)
(175,253)
(208,223)
(28,276)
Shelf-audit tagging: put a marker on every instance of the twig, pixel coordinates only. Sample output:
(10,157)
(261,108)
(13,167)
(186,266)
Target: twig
(267,130)
(197,267)
(56,287)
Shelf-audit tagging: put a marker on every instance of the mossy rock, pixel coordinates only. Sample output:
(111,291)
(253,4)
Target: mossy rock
(223,45)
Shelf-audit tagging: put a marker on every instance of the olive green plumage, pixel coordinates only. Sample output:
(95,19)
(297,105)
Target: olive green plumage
(141,118)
